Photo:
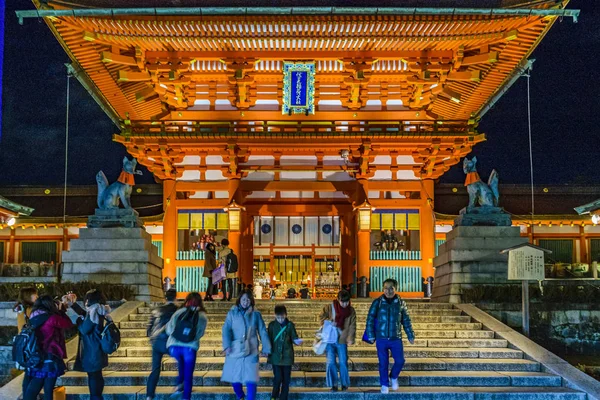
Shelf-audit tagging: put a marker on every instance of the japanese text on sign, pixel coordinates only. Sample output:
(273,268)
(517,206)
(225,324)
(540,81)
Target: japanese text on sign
(526,263)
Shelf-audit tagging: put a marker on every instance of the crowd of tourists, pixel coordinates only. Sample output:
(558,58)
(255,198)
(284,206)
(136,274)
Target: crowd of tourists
(177,331)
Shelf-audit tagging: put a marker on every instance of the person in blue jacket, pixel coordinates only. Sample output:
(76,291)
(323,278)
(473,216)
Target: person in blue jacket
(387,316)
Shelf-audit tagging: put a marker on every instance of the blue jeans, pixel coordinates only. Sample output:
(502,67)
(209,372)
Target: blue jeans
(159,349)
(341,350)
(239,390)
(186,361)
(384,346)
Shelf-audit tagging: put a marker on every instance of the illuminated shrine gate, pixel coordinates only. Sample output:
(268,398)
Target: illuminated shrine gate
(200,97)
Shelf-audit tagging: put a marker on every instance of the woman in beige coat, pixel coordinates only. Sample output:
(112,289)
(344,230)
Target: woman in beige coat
(243,325)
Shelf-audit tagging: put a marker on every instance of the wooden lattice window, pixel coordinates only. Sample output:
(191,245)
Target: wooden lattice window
(562,250)
(36,252)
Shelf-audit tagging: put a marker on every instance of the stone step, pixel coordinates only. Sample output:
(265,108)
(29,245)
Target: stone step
(307,305)
(317,379)
(357,351)
(362,393)
(313,312)
(309,322)
(132,333)
(317,364)
(215,334)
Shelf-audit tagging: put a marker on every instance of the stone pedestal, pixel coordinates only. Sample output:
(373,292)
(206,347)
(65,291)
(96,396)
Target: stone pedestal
(124,256)
(115,217)
(483,216)
(471,257)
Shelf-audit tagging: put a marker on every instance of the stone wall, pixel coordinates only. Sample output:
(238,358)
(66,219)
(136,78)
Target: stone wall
(7,316)
(561,328)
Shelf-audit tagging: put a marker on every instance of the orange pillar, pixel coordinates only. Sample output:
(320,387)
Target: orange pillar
(348,248)
(169,228)
(247,246)
(65,239)
(11,247)
(363,244)
(427,228)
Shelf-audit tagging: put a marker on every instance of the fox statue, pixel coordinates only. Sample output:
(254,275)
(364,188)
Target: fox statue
(479,192)
(109,195)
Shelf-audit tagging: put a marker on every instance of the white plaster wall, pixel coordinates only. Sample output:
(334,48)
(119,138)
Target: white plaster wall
(404,175)
(260,160)
(382,160)
(336,176)
(190,176)
(405,160)
(214,160)
(259,176)
(214,175)
(190,160)
(382,176)
(298,160)
(297,176)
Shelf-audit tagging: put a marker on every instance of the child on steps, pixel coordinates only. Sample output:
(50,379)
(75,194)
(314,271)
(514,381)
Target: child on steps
(283,336)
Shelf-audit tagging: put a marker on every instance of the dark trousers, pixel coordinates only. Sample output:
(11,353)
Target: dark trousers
(281,382)
(229,288)
(384,347)
(186,362)
(35,385)
(96,385)
(209,288)
(159,349)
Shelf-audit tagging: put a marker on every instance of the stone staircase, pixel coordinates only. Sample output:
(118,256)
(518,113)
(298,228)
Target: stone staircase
(453,357)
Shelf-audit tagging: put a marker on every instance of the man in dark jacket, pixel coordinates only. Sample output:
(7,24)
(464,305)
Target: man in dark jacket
(387,315)
(158,338)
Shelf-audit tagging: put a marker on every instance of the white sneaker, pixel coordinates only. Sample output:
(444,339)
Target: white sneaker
(394,384)
(385,389)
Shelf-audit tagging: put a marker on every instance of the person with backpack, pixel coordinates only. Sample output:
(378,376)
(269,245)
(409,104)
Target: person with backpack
(343,316)
(27,296)
(157,332)
(387,316)
(243,325)
(185,329)
(228,258)
(210,264)
(48,322)
(91,358)
(283,336)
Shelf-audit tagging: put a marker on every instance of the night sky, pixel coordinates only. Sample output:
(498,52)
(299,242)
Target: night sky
(565,106)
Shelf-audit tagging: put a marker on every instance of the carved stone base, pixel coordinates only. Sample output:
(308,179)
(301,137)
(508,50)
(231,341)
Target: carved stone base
(121,256)
(471,257)
(483,216)
(114,218)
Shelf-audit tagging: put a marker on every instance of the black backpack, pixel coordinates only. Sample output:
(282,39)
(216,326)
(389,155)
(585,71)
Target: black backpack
(232,263)
(26,351)
(110,338)
(185,328)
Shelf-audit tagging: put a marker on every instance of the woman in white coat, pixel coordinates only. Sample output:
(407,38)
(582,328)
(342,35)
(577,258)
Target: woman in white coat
(241,330)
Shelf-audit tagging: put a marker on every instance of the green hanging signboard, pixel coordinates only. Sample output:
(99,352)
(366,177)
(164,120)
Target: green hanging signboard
(298,88)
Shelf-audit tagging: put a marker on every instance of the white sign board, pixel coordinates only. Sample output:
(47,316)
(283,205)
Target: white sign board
(526,263)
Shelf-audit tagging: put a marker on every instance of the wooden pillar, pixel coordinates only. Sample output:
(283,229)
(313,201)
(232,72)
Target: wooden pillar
(348,248)
(65,239)
(427,229)
(169,228)
(247,247)
(10,259)
(363,240)
(583,247)
(363,253)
